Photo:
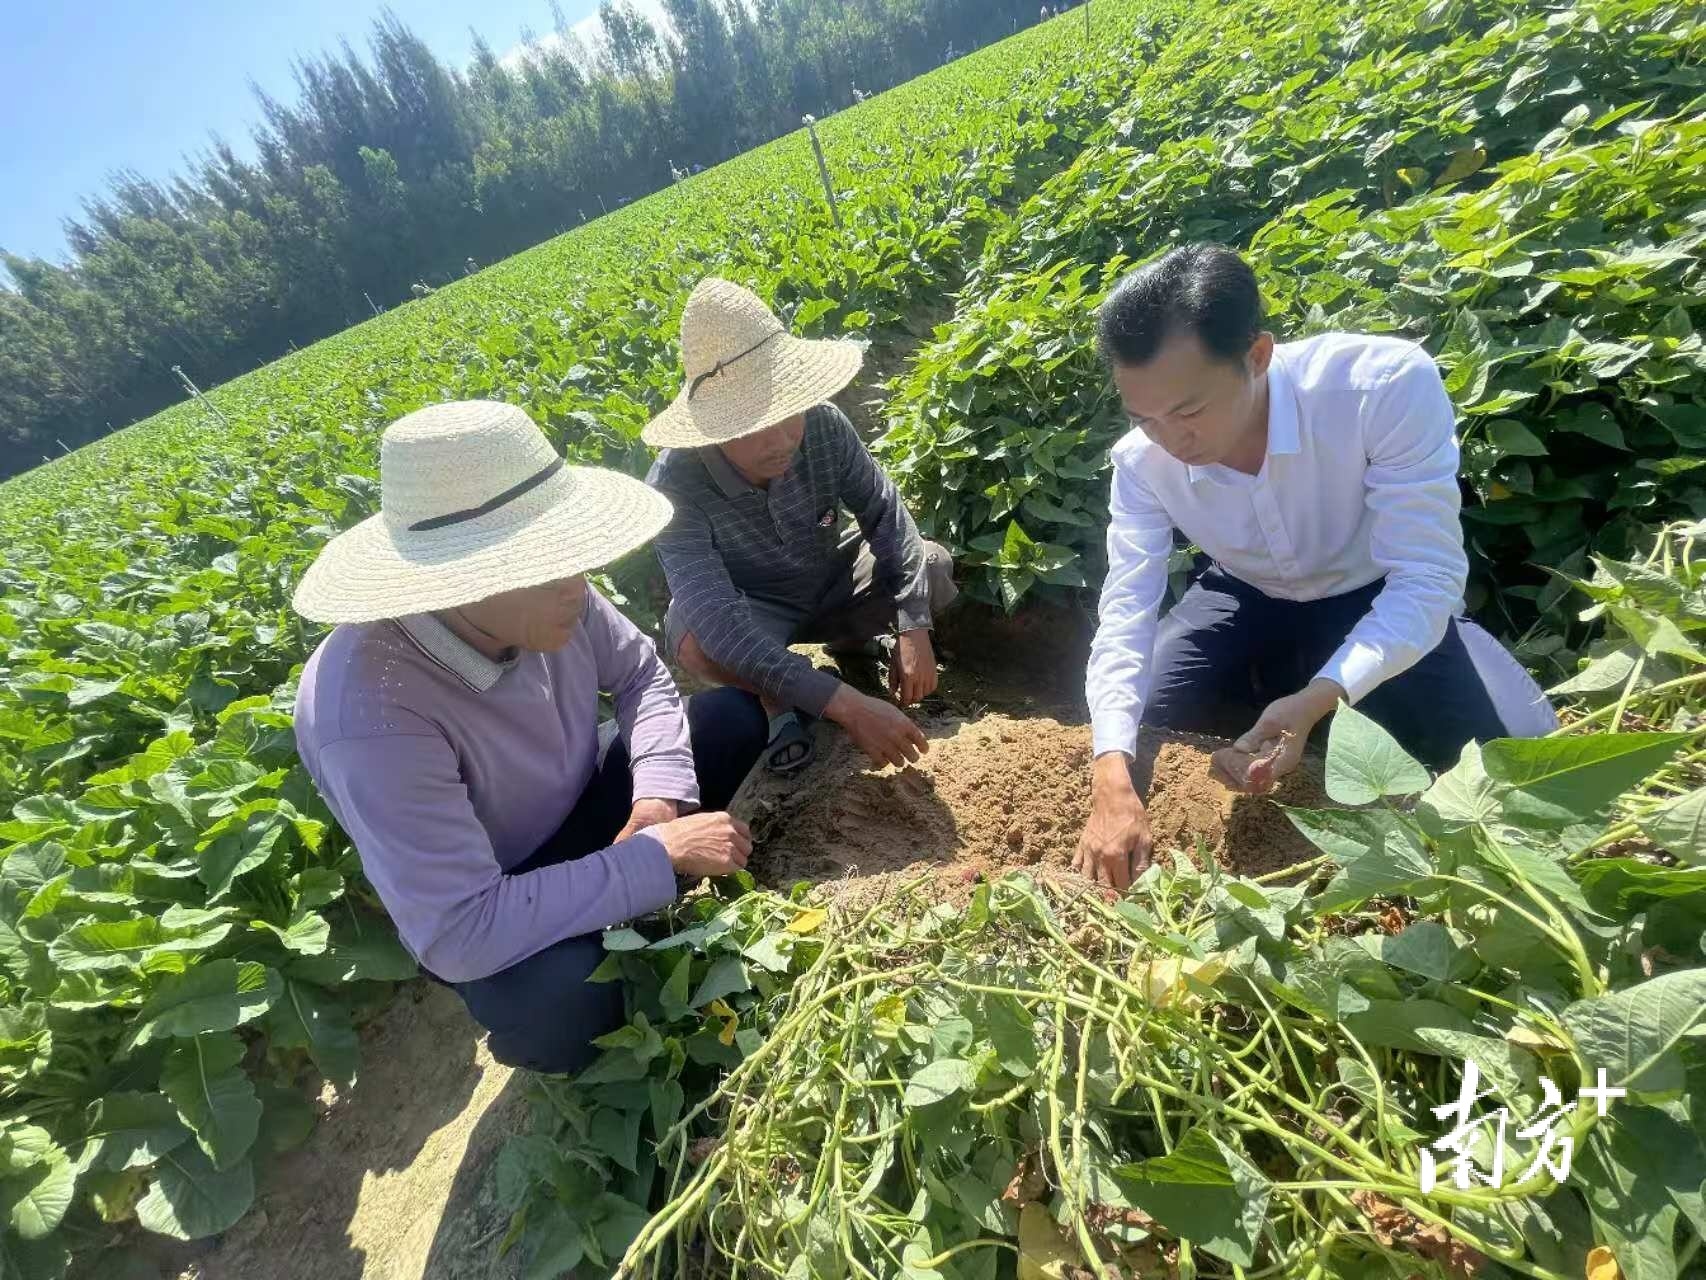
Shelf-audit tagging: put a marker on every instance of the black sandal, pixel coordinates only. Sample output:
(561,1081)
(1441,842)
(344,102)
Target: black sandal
(793,745)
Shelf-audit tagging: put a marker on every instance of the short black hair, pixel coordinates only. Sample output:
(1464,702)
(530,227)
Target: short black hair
(1204,288)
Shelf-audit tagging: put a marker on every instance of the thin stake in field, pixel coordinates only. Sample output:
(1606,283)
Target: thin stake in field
(823,169)
(195,391)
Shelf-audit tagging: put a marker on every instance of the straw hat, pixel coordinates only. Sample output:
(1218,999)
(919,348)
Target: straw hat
(745,372)
(474,501)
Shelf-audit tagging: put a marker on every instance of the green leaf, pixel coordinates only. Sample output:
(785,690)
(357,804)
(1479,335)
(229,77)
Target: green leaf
(215,995)
(105,944)
(1424,947)
(673,994)
(1377,854)
(1204,1191)
(239,851)
(134,1129)
(1630,1209)
(287,1118)
(44,1260)
(726,976)
(191,1200)
(317,887)
(1621,887)
(368,954)
(204,1078)
(1365,763)
(1655,1156)
(1595,422)
(939,1080)
(1575,778)
(1656,634)
(1463,796)
(1680,828)
(223,779)
(1602,674)
(37,1199)
(616,1134)
(1012,1031)
(307,934)
(1633,1033)
(555,1244)
(308,1018)
(1511,438)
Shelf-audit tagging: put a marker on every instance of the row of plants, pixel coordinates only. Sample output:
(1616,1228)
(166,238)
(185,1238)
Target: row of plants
(1518,189)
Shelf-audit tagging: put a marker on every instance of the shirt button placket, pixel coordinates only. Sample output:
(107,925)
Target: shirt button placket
(1273,526)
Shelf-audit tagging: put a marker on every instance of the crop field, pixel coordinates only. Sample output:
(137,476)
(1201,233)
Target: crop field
(912,1042)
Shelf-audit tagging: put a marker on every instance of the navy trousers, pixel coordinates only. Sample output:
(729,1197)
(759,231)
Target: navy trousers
(541,1012)
(1227,650)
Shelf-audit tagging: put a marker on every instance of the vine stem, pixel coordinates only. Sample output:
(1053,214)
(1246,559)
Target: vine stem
(1669,686)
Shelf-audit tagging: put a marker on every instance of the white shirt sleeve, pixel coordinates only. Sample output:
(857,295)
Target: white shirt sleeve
(1140,543)
(1415,536)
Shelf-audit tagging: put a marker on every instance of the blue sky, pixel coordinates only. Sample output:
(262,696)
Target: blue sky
(90,87)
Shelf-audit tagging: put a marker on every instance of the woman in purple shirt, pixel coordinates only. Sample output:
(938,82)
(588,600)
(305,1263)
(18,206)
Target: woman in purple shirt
(451,723)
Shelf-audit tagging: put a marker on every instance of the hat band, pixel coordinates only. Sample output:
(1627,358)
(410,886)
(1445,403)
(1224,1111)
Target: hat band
(486,508)
(724,364)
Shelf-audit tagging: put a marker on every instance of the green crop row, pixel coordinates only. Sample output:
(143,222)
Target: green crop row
(1521,191)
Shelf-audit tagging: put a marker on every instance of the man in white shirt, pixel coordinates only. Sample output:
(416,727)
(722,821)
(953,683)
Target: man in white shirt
(1320,477)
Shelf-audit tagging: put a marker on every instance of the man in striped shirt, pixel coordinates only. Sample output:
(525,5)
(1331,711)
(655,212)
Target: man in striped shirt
(760,468)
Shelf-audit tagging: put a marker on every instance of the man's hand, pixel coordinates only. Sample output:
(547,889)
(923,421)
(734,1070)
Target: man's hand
(1282,733)
(880,729)
(705,844)
(1116,842)
(913,676)
(647,813)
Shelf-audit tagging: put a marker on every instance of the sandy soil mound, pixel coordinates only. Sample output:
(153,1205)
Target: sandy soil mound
(997,793)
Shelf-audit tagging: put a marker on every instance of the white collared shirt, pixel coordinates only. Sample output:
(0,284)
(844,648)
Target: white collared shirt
(1360,483)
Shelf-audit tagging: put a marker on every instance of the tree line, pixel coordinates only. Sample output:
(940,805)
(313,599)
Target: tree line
(392,168)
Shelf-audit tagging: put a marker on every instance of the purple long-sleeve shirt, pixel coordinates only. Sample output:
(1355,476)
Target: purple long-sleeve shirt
(446,768)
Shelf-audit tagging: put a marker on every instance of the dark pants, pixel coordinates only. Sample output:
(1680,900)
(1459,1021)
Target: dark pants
(1227,650)
(541,1012)
(855,605)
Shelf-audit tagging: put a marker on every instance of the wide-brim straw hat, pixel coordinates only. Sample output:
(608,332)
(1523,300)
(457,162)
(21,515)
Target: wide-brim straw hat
(474,501)
(745,371)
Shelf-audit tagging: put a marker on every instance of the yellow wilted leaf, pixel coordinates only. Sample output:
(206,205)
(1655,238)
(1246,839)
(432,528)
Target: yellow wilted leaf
(1526,1037)
(808,921)
(1498,491)
(1044,1253)
(1168,981)
(731,1019)
(1464,161)
(888,1015)
(1602,1264)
